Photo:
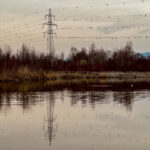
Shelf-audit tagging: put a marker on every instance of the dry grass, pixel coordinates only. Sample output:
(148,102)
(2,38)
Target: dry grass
(25,74)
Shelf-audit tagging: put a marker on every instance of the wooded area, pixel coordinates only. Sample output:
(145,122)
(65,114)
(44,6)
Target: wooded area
(92,59)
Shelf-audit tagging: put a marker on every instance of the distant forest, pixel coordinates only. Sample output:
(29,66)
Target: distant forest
(92,59)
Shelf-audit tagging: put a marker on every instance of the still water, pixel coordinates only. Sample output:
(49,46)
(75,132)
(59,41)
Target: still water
(75,120)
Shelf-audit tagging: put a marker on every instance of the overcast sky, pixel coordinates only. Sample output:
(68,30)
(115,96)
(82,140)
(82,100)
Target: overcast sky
(21,22)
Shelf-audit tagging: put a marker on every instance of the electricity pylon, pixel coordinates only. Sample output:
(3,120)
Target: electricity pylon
(50,33)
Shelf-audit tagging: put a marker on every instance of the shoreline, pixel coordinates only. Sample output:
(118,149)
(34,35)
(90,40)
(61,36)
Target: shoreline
(74,85)
(27,75)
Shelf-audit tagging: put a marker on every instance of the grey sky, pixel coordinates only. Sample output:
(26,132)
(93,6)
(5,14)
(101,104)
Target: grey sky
(21,24)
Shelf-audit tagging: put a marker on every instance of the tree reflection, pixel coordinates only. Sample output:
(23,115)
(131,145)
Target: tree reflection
(5,102)
(100,97)
(28,99)
(88,97)
(23,99)
(125,98)
(97,97)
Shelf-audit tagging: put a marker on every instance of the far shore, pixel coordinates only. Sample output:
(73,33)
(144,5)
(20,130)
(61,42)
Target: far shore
(27,75)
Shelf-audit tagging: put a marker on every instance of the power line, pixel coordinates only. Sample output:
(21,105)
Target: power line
(73,7)
(104,37)
(27,26)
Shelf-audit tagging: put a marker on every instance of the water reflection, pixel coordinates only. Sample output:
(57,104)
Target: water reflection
(125,98)
(28,99)
(100,97)
(88,97)
(49,128)
(102,118)
(25,99)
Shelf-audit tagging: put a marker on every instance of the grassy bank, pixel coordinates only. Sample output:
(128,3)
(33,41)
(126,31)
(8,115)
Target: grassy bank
(24,74)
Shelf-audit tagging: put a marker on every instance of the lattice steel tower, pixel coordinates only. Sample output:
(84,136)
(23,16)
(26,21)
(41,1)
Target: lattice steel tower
(50,33)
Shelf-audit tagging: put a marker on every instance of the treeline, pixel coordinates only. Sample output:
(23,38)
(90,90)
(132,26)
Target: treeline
(92,59)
